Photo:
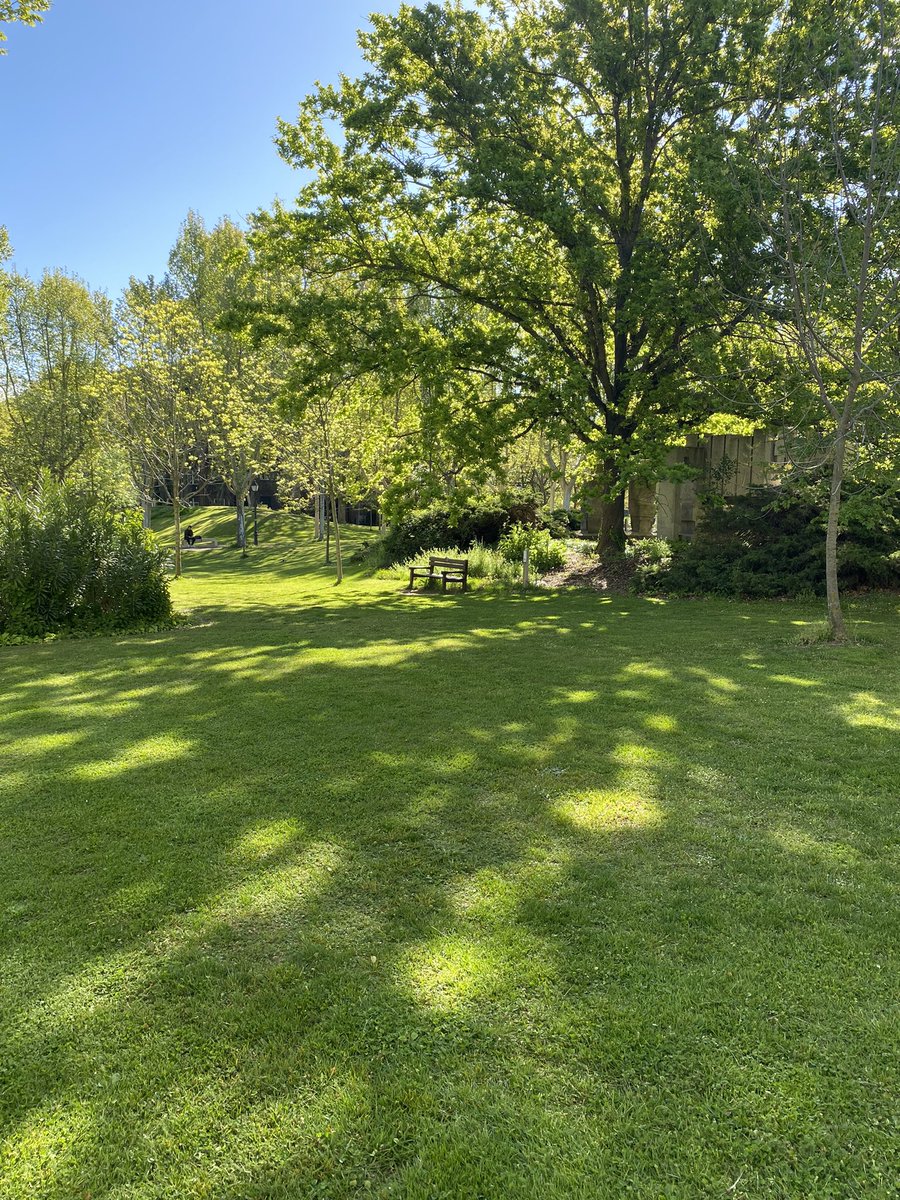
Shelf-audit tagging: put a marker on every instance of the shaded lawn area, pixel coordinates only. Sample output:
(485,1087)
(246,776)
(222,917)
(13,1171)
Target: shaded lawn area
(348,893)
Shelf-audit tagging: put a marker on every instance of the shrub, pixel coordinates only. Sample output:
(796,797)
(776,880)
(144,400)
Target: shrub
(767,544)
(427,528)
(651,557)
(69,561)
(560,522)
(545,553)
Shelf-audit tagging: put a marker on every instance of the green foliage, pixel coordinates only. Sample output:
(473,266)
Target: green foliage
(28,12)
(443,526)
(554,184)
(768,544)
(70,562)
(651,558)
(54,343)
(545,553)
(561,522)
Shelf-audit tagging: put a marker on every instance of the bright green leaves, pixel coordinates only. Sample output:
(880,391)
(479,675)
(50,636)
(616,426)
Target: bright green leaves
(553,178)
(54,343)
(26,12)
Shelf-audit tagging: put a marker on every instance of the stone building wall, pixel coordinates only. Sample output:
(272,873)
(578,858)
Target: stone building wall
(729,464)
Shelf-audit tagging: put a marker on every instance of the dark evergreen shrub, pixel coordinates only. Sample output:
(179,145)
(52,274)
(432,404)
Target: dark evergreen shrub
(771,543)
(427,528)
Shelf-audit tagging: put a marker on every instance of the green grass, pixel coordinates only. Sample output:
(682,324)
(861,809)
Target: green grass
(341,892)
(219,523)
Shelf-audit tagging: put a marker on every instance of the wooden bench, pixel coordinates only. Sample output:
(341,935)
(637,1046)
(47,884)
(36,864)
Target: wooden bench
(207,544)
(448,570)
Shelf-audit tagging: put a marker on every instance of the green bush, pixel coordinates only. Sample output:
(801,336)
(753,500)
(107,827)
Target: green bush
(767,544)
(70,561)
(545,553)
(427,528)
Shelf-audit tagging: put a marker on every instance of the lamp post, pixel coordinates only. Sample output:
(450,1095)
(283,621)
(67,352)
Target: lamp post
(254,498)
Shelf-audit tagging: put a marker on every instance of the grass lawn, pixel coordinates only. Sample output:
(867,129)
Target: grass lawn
(341,892)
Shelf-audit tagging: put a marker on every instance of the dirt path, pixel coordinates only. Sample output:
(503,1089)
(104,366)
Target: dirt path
(584,571)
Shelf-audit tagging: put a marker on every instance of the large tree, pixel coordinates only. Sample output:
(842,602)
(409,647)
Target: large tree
(829,149)
(549,179)
(169,386)
(54,344)
(211,271)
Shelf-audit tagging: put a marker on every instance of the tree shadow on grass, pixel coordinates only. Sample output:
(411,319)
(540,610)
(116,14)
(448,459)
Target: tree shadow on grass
(519,899)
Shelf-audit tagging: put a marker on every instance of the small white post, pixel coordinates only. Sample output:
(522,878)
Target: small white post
(525,566)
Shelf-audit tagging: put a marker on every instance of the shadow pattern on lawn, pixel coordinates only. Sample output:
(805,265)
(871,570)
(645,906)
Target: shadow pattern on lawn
(526,897)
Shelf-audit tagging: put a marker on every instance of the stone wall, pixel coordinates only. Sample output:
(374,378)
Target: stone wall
(728,464)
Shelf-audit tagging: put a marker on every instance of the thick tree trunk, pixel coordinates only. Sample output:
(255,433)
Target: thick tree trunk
(836,626)
(606,517)
(611,534)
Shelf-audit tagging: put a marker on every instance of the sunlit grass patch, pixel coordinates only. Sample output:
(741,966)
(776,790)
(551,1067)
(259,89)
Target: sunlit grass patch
(344,892)
(608,810)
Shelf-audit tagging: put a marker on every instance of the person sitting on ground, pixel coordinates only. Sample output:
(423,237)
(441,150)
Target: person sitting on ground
(190,537)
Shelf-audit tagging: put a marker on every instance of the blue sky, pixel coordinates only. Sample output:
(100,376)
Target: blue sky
(120,115)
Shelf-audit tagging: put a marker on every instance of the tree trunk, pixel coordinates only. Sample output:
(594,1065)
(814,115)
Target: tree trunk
(176,513)
(147,513)
(241,525)
(611,535)
(836,627)
(567,489)
(606,516)
(338,560)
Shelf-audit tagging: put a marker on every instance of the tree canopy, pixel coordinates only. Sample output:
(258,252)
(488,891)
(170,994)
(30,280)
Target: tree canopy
(552,180)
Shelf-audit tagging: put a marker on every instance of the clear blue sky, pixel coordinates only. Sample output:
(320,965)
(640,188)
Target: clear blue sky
(120,115)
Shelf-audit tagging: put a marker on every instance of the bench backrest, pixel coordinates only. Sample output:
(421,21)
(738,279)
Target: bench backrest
(461,564)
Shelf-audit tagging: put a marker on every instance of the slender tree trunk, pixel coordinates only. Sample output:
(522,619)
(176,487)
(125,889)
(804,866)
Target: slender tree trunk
(176,513)
(836,626)
(147,513)
(338,560)
(241,525)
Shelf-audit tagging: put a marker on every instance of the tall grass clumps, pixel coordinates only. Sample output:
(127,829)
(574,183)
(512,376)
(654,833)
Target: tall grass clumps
(70,562)
(485,564)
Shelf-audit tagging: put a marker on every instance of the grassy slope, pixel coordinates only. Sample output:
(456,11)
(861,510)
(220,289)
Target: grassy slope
(344,892)
(219,523)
